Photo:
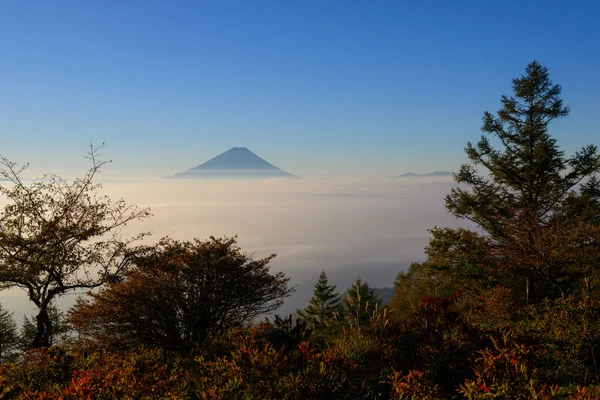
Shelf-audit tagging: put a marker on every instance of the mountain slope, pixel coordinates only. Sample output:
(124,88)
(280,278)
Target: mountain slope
(237,162)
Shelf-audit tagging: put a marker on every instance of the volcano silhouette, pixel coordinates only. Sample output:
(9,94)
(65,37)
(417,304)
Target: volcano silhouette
(235,163)
(434,174)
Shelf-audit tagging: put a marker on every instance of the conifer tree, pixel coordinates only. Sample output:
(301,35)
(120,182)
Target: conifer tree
(9,337)
(522,196)
(324,306)
(360,303)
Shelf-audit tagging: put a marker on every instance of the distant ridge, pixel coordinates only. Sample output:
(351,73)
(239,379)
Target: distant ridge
(431,174)
(235,163)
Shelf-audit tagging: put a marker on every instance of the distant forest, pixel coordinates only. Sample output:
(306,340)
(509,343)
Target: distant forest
(509,309)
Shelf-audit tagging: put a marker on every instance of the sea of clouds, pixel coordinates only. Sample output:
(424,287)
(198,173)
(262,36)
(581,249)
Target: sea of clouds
(349,227)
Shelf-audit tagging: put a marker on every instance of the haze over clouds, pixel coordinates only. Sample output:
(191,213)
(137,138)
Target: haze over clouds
(369,227)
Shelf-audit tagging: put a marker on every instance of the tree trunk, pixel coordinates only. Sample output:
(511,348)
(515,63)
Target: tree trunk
(558,286)
(44,328)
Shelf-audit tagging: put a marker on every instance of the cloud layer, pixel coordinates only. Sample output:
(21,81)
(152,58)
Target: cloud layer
(348,227)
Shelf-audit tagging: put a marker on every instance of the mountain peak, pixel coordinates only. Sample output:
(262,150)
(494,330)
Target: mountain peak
(431,174)
(237,162)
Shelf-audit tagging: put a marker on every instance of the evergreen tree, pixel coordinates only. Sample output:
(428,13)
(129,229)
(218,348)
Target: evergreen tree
(9,338)
(526,207)
(360,302)
(324,306)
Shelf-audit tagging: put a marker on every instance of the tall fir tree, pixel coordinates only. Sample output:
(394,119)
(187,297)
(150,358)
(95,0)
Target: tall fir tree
(324,306)
(9,337)
(360,302)
(526,206)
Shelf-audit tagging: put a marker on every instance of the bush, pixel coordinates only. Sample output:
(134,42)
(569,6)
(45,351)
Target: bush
(506,371)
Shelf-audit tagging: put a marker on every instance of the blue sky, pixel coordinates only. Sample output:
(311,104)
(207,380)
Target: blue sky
(334,86)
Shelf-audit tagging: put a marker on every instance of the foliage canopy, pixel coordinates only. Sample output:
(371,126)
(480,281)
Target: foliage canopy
(527,206)
(57,236)
(179,292)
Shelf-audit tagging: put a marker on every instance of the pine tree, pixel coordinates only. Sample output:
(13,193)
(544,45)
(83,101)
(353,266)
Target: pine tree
(9,337)
(360,302)
(324,306)
(526,206)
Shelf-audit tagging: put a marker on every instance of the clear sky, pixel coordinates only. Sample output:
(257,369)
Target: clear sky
(345,86)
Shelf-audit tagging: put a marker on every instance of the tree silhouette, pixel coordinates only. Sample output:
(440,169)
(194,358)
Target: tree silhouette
(360,302)
(180,292)
(57,236)
(324,306)
(9,337)
(60,330)
(525,205)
